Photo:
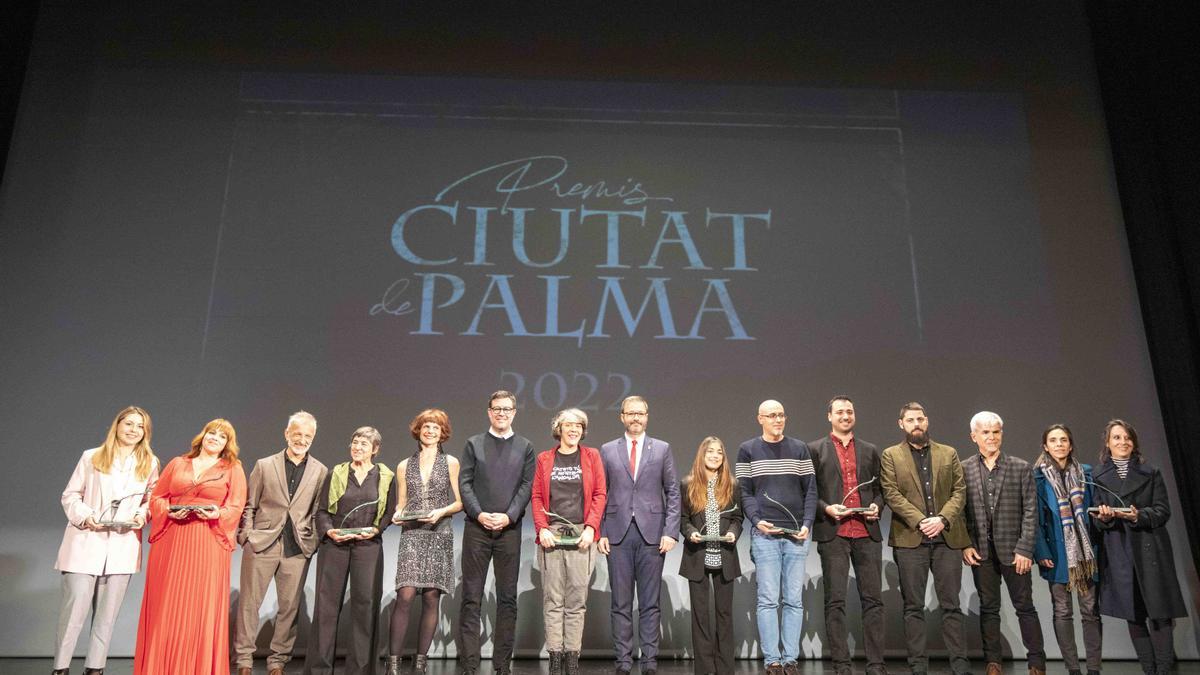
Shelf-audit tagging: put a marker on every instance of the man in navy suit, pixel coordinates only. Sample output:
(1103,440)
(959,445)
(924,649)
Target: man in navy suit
(640,525)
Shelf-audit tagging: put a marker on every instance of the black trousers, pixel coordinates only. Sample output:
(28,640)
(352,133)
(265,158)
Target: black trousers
(502,550)
(361,563)
(837,555)
(915,566)
(988,575)
(712,637)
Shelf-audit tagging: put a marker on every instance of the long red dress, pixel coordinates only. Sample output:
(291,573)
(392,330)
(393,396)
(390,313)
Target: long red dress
(184,626)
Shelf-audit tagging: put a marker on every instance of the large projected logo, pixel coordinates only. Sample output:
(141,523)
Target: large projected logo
(597,211)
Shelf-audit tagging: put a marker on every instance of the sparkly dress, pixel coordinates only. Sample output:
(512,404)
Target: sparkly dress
(425,558)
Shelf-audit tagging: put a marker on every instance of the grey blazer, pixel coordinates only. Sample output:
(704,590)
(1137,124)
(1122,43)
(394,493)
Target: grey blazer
(1014,521)
(268,505)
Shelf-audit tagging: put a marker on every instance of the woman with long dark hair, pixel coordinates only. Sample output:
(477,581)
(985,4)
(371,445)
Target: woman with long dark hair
(428,497)
(712,506)
(107,503)
(1137,565)
(1065,546)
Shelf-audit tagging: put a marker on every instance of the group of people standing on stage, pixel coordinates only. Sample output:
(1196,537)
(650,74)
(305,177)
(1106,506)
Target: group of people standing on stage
(1097,536)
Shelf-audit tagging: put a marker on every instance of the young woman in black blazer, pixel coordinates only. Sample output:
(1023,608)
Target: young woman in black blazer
(712,505)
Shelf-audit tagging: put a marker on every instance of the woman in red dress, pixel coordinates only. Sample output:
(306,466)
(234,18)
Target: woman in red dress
(194,514)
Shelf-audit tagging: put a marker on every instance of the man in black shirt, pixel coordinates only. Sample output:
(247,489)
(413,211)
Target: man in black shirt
(495,479)
(278,537)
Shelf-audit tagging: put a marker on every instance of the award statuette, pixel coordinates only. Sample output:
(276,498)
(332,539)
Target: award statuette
(355,531)
(402,517)
(192,508)
(723,538)
(565,540)
(1095,510)
(856,488)
(108,516)
(791,532)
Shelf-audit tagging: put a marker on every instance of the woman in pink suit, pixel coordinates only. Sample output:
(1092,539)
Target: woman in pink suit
(106,504)
(194,513)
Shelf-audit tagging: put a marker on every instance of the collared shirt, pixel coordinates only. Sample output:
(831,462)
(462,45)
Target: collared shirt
(641,448)
(505,436)
(851,527)
(991,489)
(294,473)
(924,461)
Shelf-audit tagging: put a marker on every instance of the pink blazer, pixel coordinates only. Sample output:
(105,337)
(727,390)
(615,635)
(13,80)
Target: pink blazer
(91,493)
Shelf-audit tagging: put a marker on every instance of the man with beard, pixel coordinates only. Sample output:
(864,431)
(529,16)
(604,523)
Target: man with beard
(848,477)
(923,484)
(278,537)
(640,527)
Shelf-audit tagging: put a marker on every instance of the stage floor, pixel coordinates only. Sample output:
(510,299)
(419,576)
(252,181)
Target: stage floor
(10,666)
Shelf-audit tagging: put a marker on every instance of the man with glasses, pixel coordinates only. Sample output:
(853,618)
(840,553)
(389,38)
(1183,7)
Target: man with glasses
(923,483)
(495,479)
(779,496)
(640,525)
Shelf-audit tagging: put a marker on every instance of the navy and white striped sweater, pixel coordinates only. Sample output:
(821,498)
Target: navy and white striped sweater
(782,472)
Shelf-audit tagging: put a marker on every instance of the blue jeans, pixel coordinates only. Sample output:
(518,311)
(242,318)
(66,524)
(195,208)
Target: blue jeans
(779,570)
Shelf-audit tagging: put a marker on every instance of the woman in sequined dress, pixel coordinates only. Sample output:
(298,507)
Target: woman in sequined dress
(428,484)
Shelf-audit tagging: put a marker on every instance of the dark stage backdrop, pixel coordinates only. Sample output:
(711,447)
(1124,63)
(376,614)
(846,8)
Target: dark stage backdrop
(244,244)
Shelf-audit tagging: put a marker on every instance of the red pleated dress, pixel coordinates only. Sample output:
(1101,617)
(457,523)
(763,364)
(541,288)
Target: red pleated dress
(184,625)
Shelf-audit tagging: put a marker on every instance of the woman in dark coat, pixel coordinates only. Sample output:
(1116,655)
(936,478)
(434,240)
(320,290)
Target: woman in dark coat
(711,505)
(1137,565)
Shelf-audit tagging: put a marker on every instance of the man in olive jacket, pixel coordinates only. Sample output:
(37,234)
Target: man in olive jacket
(923,484)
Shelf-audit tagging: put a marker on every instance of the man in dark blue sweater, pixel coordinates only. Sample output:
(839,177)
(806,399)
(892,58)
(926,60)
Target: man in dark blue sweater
(779,495)
(495,480)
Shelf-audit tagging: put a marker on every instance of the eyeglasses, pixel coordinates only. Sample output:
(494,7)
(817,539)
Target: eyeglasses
(503,411)
(774,416)
(635,414)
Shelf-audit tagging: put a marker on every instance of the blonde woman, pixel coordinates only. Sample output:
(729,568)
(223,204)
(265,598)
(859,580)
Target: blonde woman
(106,502)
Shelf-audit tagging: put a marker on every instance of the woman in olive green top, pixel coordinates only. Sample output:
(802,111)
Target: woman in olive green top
(358,495)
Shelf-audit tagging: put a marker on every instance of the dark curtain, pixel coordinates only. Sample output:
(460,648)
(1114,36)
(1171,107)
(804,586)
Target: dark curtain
(1146,62)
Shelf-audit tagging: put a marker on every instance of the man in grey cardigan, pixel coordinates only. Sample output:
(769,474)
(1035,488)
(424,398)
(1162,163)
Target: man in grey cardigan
(1001,520)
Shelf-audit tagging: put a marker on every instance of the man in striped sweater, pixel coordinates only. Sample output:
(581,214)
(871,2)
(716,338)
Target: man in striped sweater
(779,496)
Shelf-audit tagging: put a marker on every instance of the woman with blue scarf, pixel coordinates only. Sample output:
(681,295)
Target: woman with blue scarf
(1064,547)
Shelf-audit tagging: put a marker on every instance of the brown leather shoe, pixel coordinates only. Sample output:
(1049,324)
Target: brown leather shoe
(277,670)
(995,669)
(1037,671)
(242,670)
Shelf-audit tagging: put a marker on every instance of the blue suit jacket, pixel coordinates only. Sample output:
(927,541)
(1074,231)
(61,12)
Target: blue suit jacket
(653,499)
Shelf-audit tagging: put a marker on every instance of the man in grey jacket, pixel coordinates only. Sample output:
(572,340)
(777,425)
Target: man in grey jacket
(1001,520)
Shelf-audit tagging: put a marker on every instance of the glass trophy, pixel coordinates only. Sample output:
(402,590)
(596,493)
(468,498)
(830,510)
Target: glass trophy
(405,517)
(718,537)
(562,539)
(355,531)
(793,531)
(1095,510)
(108,516)
(856,509)
(191,508)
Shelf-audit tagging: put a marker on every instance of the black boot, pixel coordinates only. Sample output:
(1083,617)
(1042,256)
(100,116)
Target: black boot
(393,665)
(420,661)
(572,663)
(556,663)
(93,671)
